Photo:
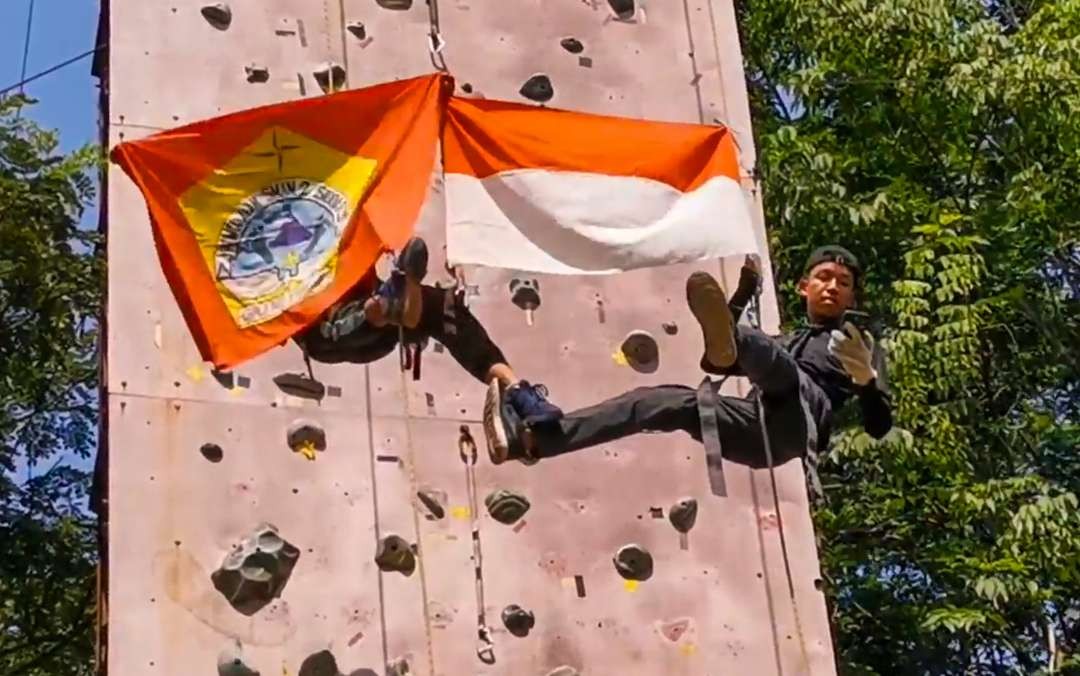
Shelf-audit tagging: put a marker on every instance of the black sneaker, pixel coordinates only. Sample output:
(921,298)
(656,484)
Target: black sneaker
(709,305)
(410,263)
(503,428)
(531,404)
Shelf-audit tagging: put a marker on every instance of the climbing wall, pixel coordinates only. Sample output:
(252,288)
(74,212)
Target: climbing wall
(230,550)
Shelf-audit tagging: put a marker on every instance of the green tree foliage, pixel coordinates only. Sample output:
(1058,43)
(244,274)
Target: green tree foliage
(50,296)
(939,140)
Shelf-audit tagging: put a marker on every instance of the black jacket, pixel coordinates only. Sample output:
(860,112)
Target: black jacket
(810,347)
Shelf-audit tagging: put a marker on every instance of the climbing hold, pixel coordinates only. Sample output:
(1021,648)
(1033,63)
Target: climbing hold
(434,501)
(300,385)
(358,29)
(506,506)
(395,4)
(641,352)
(517,620)
(538,88)
(683,514)
(525,293)
(394,554)
(634,562)
(212,452)
(563,671)
(624,9)
(255,572)
(572,45)
(675,629)
(670,328)
(257,74)
(218,15)
(231,662)
(306,437)
(330,77)
(398,667)
(466,87)
(321,663)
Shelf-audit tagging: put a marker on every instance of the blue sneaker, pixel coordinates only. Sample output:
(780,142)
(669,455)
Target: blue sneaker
(503,428)
(530,403)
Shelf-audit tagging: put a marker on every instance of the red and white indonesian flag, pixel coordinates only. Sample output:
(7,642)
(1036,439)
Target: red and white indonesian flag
(561,192)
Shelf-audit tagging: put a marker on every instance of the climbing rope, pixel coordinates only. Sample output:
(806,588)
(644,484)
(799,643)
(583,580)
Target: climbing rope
(756,320)
(485,649)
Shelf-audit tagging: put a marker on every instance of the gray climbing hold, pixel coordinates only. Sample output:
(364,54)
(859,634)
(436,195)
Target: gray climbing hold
(218,15)
(257,74)
(256,571)
(624,9)
(305,434)
(641,351)
(517,620)
(433,500)
(212,452)
(683,514)
(300,385)
(395,555)
(634,562)
(395,4)
(321,663)
(330,77)
(231,662)
(506,506)
(572,45)
(358,29)
(538,88)
(563,671)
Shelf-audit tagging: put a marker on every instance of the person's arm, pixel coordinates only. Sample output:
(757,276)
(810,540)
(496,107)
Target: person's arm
(749,278)
(864,363)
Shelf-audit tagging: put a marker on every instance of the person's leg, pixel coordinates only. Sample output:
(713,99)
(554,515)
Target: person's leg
(756,355)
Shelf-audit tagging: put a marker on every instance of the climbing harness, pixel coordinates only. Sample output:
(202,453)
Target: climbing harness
(485,649)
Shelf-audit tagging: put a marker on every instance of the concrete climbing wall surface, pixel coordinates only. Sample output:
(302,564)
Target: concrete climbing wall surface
(229,551)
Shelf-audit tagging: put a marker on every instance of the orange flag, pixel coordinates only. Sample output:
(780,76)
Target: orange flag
(264,218)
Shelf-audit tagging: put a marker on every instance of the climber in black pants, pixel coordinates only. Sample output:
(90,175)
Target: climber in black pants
(803,378)
(370,320)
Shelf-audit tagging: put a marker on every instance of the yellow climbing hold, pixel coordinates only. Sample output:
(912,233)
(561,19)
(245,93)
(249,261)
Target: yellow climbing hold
(688,649)
(196,373)
(631,585)
(619,358)
(460,512)
(307,449)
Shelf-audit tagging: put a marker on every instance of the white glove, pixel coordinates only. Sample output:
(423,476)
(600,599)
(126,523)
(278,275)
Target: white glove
(855,351)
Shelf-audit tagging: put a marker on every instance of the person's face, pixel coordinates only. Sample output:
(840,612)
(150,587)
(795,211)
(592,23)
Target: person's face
(829,290)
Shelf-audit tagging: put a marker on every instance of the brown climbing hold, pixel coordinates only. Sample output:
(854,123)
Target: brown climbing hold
(674,630)
(358,29)
(538,88)
(466,87)
(683,514)
(218,15)
(624,9)
(399,5)
(506,506)
(641,351)
(330,77)
(306,437)
(670,328)
(300,385)
(398,667)
(634,562)
(321,663)
(212,452)
(434,501)
(256,571)
(231,662)
(394,554)
(517,620)
(572,45)
(257,74)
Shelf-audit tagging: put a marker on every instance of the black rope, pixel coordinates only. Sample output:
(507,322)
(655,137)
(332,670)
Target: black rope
(48,71)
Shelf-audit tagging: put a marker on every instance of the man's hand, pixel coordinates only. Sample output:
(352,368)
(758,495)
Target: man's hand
(855,351)
(752,262)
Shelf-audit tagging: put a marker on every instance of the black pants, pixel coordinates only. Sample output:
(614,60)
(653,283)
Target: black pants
(797,411)
(443,318)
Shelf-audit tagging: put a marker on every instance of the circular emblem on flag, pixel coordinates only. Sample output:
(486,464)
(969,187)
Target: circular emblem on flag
(280,245)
